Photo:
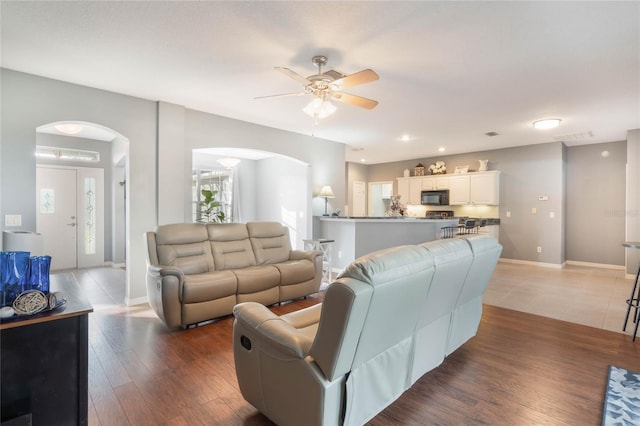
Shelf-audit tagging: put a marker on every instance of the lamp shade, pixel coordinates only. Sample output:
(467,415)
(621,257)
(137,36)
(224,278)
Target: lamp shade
(319,108)
(326,192)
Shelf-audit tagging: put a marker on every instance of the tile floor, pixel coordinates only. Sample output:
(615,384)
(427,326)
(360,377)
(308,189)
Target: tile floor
(583,295)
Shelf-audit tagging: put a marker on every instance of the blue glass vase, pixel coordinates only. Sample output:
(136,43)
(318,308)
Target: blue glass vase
(14,271)
(39,267)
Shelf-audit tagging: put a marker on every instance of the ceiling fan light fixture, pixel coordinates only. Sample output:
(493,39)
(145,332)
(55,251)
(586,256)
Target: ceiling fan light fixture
(319,108)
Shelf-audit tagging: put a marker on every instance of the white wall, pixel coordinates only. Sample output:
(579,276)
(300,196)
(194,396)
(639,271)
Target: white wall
(633,198)
(30,101)
(283,195)
(326,158)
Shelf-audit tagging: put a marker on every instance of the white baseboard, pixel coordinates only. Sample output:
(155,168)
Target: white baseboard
(531,263)
(594,265)
(136,301)
(562,265)
(118,265)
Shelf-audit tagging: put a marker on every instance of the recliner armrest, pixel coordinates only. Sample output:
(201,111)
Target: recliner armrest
(163,271)
(269,330)
(304,254)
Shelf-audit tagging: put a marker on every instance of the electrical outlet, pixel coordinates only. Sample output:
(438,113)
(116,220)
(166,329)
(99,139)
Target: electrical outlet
(539,249)
(552,215)
(534,210)
(508,214)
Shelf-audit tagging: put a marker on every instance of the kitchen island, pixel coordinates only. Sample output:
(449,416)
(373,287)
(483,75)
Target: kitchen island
(357,236)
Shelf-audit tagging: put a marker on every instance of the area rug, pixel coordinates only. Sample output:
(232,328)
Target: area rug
(622,399)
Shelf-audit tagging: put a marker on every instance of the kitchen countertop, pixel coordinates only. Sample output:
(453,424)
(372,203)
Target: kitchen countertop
(490,221)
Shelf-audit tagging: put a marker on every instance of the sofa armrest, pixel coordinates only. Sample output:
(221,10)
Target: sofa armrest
(163,271)
(263,327)
(311,255)
(164,291)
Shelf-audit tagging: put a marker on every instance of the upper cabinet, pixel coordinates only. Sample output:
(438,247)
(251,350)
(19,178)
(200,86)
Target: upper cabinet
(459,190)
(484,188)
(475,188)
(435,182)
(469,188)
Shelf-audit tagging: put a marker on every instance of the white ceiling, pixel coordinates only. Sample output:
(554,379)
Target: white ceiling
(449,71)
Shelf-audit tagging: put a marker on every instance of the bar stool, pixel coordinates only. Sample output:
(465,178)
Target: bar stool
(324,245)
(634,300)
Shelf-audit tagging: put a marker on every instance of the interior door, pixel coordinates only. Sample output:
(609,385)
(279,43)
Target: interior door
(359,199)
(56,218)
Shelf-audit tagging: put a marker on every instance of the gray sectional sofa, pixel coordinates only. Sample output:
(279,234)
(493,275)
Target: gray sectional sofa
(388,319)
(196,272)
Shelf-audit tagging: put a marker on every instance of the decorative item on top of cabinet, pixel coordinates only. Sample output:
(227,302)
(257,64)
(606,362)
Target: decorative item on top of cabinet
(483,165)
(461,169)
(419,170)
(438,168)
(407,173)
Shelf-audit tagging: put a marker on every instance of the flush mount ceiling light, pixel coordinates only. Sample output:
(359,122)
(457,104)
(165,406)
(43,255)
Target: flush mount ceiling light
(68,128)
(405,138)
(441,149)
(229,163)
(547,123)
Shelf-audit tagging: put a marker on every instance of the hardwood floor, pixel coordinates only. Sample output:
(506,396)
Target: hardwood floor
(520,369)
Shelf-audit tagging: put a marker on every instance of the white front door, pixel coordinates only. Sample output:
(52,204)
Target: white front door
(56,218)
(71,215)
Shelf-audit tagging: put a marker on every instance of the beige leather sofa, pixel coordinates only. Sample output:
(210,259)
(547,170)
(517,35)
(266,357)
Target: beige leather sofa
(196,272)
(389,318)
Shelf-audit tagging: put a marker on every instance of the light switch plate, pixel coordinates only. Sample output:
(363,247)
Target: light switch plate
(13,220)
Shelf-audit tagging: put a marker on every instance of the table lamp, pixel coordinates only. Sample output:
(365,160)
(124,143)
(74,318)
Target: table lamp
(327,193)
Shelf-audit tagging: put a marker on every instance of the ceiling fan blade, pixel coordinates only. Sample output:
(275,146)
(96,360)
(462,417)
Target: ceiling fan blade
(354,100)
(284,95)
(361,77)
(294,75)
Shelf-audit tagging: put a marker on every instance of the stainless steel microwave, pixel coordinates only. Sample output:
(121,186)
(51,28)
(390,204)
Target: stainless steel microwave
(435,198)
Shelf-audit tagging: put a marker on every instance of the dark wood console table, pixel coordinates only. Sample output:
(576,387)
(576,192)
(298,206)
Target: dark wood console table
(44,362)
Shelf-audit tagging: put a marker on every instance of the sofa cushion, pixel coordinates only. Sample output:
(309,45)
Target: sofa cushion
(184,246)
(230,246)
(295,271)
(208,286)
(270,241)
(257,278)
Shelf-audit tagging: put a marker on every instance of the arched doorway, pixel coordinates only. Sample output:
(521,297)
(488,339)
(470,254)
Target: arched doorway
(81,149)
(266,186)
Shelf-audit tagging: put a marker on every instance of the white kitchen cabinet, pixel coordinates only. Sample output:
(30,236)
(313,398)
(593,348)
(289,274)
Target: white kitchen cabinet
(435,182)
(415,187)
(403,189)
(484,188)
(458,190)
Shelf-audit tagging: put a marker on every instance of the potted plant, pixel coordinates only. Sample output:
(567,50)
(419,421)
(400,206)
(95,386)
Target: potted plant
(210,208)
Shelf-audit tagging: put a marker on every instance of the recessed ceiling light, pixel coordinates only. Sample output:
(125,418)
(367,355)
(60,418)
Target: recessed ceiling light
(441,149)
(362,160)
(547,123)
(405,138)
(68,128)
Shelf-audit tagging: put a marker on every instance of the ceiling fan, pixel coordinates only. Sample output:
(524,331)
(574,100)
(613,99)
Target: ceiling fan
(328,85)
